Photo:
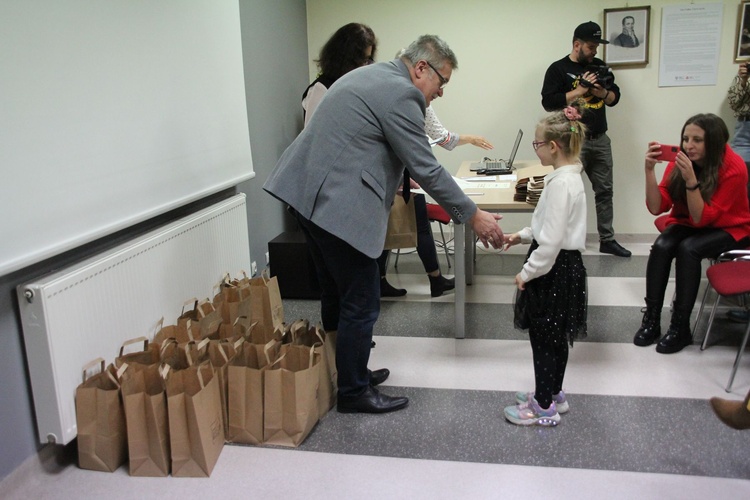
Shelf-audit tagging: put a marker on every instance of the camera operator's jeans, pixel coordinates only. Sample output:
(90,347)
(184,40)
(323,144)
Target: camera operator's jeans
(596,156)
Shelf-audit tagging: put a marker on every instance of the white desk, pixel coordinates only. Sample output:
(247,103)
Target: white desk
(492,200)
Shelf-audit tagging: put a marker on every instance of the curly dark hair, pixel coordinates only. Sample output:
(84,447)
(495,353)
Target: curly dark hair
(715,140)
(345,50)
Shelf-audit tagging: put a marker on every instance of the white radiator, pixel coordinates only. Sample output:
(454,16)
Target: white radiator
(86,311)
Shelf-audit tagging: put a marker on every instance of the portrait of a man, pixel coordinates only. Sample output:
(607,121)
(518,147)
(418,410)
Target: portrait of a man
(627,38)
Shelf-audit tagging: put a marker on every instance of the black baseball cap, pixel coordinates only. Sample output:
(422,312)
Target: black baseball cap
(589,32)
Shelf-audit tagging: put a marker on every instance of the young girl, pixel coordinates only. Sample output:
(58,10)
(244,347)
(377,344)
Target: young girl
(551,298)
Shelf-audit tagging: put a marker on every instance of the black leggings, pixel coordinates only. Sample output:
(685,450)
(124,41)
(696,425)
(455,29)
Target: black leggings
(550,361)
(688,246)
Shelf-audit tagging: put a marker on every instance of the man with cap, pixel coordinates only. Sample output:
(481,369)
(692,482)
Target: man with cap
(581,75)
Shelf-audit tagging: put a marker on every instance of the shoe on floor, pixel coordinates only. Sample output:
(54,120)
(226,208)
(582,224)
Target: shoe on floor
(388,290)
(530,413)
(370,401)
(440,284)
(614,248)
(735,414)
(377,377)
(738,315)
(674,341)
(560,400)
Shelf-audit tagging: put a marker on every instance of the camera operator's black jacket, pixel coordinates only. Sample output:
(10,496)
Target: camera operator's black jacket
(563,76)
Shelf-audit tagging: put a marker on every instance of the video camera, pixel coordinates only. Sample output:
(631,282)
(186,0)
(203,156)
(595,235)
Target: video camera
(604,76)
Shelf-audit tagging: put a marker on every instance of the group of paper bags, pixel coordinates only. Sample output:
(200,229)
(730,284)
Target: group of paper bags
(230,370)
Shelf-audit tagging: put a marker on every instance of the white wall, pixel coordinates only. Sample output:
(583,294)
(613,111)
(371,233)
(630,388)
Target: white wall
(504,48)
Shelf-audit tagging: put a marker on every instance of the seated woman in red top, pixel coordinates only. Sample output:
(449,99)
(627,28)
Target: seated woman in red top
(706,189)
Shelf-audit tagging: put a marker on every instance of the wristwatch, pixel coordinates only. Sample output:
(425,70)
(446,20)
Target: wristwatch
(697,185)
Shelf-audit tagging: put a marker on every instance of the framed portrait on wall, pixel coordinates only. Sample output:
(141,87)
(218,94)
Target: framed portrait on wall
(627,30)
(742,40)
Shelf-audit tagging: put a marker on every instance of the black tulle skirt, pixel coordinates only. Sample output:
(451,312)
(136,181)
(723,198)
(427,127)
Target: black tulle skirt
(556,303)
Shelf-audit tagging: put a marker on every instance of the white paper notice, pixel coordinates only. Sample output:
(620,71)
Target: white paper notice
(690,42)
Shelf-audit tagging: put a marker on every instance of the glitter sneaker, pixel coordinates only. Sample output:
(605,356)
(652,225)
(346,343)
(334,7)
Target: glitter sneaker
(560,401)
(530,413)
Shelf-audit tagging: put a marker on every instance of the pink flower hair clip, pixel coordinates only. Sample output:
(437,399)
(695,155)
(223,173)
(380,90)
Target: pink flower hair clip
(572,113)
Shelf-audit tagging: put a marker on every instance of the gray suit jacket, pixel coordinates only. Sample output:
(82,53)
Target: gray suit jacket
(342,172)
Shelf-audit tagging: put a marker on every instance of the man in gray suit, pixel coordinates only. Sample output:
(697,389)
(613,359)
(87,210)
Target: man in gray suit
(339,178)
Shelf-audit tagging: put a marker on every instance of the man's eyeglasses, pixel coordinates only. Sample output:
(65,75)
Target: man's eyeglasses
(443,80)
(538,144)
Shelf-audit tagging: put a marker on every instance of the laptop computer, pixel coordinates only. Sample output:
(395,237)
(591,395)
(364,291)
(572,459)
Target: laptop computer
(489,166)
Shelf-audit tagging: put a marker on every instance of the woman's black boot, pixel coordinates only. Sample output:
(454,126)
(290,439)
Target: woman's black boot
(650,329)
(678,336)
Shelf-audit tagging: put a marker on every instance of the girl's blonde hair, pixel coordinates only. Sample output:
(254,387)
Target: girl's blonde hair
(565,128)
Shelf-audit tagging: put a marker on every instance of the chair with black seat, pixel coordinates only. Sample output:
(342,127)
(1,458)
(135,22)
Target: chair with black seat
(730,278)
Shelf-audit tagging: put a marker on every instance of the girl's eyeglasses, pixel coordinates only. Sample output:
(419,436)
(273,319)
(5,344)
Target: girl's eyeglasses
(538,144)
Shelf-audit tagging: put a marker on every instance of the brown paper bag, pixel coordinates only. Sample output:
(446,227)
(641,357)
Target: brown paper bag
(290,396)
(220,354)
(204,319)
(145,403)
(245,391)
(148,355)
(233,299)
(402,225)
(196,432)
(324,344)
(100,419)
(265,302)
(182,333)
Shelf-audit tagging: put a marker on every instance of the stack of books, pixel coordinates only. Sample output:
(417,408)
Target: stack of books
(534,189)
(529,189)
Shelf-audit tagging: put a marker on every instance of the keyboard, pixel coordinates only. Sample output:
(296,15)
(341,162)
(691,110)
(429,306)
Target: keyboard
(495,165)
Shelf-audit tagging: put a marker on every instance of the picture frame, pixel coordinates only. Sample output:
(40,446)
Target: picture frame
(742,39)
(628,31)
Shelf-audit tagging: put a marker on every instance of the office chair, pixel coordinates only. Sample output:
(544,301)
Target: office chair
(730,278)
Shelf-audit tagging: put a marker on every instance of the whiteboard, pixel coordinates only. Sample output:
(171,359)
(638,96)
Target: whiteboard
(112,112)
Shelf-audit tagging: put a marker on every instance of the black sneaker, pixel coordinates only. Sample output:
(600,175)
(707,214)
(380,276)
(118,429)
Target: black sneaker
(614,248)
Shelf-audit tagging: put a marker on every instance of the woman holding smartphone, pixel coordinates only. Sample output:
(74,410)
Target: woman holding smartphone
(705,190)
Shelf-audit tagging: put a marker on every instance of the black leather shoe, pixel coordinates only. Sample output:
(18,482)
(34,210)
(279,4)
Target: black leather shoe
(614,248)
(646,336)
(388,290)
(440,284)
(371,401)
(377,377)
(674,341)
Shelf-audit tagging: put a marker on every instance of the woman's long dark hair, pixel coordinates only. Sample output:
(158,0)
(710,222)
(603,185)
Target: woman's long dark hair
(716,136)
(345,50)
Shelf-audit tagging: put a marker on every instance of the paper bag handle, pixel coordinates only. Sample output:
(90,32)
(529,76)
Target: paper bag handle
(193,301)
(134,341)
(91,364)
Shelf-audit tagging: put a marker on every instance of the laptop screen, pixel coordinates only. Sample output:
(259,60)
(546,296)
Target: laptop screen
(515,148)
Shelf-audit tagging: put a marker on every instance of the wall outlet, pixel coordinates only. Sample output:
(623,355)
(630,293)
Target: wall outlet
(253,268)
(268,259)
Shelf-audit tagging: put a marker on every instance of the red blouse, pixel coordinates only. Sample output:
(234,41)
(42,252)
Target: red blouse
(728,208)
